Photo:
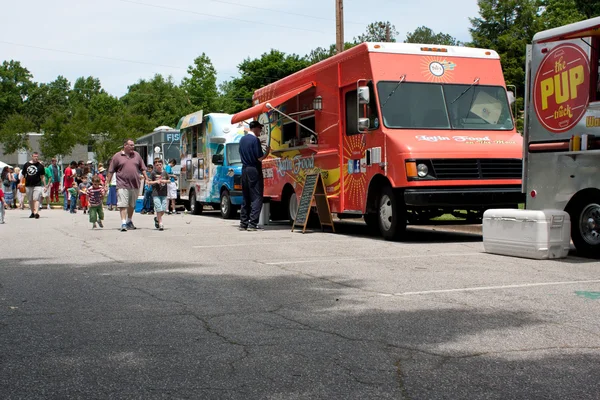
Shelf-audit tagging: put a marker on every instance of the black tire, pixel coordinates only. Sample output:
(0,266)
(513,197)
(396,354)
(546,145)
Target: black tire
(290,206)
(372,221)
(391,215)
(195,207)
(228,210)
(585,225)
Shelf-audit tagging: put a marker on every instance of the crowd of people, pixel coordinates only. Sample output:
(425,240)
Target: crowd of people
(85,187)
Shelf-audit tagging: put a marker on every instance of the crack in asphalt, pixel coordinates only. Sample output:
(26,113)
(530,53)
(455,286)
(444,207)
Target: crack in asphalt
(400,380)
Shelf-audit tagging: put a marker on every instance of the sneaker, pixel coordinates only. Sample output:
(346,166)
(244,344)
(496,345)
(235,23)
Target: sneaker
(37,216)
(124,228)
(161,227)
(94,226)
(49,208)
(130,225)
(156,222)
(32,215)
(251,229)
(151,212)
(84,211)
(143,212)
(242,228)
(100,224)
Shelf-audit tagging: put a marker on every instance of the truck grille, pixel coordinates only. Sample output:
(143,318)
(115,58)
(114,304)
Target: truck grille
(474,168)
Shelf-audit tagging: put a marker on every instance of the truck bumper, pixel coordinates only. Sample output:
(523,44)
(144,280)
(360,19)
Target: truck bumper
(236,197)
(484,198)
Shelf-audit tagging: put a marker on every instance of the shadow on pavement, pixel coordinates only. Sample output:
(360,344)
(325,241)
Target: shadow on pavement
(152,330)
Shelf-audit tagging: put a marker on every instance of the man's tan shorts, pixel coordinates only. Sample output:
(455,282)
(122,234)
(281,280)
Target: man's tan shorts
(34,193)
(127,198)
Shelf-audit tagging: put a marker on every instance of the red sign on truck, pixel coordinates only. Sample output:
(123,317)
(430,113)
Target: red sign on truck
(561,89)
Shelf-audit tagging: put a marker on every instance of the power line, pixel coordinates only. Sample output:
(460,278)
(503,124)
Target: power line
(219,16)
(90,55)
(283,12)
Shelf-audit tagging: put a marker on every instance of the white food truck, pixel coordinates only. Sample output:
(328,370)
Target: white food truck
(561,151)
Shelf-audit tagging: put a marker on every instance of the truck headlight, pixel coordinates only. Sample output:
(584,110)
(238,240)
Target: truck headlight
(422,170)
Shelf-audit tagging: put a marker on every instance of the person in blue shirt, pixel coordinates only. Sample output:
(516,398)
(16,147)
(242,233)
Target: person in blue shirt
(251,154)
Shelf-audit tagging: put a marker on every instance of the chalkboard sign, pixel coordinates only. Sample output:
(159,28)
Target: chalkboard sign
(313,188)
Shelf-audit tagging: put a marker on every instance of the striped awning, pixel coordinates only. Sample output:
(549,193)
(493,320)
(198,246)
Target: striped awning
(190,120)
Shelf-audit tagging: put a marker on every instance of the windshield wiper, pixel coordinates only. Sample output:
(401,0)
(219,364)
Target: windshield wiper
(402,78)
(466,90)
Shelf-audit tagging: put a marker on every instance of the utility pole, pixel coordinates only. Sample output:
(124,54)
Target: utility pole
(387,33)
(339,19)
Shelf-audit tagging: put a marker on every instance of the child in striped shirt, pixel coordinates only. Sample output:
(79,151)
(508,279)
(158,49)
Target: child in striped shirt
(95,195)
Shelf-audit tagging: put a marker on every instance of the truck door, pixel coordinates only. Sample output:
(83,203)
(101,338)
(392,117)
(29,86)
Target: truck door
(353,173)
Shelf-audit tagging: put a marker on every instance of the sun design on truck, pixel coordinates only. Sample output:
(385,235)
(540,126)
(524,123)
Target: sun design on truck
(437,69)
(355,181)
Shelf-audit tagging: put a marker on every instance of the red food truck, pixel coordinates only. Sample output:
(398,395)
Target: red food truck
(401,133)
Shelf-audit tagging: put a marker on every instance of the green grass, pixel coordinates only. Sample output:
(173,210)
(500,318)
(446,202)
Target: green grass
(450,217)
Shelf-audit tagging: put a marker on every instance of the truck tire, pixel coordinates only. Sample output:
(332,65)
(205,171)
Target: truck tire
(195,207)
(391,215)
(228,210)
(585,225)
(289,206)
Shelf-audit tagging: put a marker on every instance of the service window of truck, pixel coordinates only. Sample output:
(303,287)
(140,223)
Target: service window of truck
(562,128)
(401,133)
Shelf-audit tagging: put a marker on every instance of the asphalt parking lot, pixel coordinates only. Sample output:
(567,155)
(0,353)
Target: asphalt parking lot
(203,311)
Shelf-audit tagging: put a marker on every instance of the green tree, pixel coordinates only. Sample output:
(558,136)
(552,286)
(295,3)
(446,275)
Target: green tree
(46,99)
(588,8)
(159,101)
(201,85)
(559,12)
(226,101)
(320,53)
(507,26)
(425,35)
(15,83)
(13,134)
(61,133)
(262,71)
(378,32)
(84,90)
(110,125)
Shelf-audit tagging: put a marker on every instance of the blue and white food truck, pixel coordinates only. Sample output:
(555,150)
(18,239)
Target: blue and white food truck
(211,168)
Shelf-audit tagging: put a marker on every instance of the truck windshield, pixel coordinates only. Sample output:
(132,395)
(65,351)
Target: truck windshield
(444,106)
(233,154)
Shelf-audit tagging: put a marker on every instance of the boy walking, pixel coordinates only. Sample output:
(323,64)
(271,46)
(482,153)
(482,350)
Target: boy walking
(95,196)
(83,188)
(72,193)
(159,180)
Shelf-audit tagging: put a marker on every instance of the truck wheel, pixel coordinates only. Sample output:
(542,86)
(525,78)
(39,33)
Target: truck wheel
(372,221)
(228,210)
(195,207)
(585,226)
(289,206)
(392,215)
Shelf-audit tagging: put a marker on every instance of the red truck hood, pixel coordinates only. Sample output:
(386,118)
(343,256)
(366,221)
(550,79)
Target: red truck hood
(455,144)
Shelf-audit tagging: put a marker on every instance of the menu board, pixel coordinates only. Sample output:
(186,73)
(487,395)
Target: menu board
(314,188)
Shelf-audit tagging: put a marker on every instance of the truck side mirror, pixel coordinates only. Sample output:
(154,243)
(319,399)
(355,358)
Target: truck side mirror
(511,97)
(217,159)
(363,95)
(363,124)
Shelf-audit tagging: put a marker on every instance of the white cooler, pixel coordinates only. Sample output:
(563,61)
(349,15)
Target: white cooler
(539,234)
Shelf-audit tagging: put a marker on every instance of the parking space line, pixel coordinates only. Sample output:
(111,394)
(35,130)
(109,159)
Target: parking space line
(478,288)
(371,258)
(268,243)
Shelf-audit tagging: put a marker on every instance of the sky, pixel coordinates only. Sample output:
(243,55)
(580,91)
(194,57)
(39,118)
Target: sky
(123,41)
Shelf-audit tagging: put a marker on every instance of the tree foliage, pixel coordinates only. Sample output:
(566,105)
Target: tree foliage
(378,32)
(426,35)
(13,134)
(254,74)
(201,85)
(507,26)
(15,82)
